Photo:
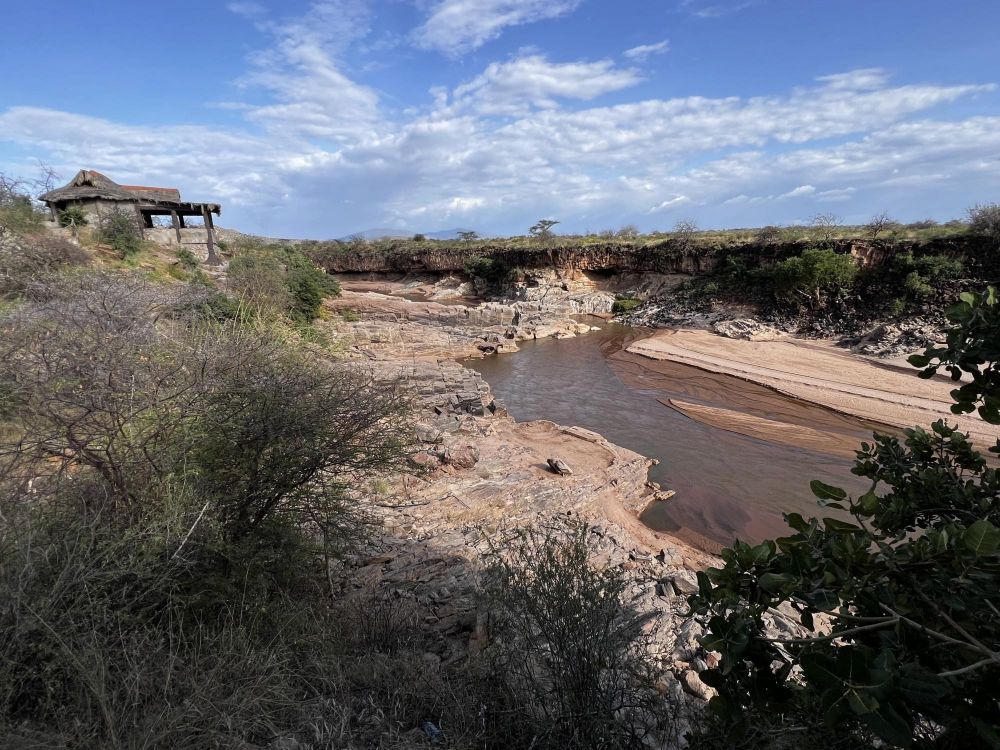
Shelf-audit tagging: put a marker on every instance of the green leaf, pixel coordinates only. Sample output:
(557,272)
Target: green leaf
(982,538)
(832,524)
(774,582)
(868,503)
(825,491)
(918,360)
(888,724)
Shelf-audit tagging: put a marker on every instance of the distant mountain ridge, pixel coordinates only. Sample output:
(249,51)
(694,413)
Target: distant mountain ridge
(380,233)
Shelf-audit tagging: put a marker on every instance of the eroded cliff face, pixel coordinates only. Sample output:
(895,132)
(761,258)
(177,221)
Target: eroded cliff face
(666,257)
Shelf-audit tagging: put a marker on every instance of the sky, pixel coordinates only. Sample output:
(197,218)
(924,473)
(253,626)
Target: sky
(317,119)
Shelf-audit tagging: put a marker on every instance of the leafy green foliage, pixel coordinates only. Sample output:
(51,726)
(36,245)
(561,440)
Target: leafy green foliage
(18,214)
(281,280)
(72,216)
(625,304)
(984,219)
(568,652)
(917,285)
(814,275)
(972,349)
(898,607)
(119,228)
(490,270)
(542,230)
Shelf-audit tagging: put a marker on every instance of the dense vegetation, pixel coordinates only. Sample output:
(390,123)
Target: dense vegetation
(186,474)
(901,605)
(184,478)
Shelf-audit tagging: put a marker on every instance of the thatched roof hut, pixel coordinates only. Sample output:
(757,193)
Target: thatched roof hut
(95,194)
(90,185)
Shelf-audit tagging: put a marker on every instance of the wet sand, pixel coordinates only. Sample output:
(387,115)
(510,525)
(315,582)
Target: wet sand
(818,372)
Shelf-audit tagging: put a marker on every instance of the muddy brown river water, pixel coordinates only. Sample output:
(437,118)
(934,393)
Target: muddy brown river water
(728,485)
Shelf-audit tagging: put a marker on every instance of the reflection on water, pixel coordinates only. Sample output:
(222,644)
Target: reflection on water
(728,485)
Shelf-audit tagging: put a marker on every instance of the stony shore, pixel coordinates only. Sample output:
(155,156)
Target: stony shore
(478,474)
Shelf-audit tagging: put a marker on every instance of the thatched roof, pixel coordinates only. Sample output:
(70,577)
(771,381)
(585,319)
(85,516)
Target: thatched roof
(91,184)
(169,195)
(88,183)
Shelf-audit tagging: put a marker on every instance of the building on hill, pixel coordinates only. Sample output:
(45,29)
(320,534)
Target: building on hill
(95,194)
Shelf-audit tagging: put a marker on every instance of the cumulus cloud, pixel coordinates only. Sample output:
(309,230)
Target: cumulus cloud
(644,51)
(319,154)
(457,26)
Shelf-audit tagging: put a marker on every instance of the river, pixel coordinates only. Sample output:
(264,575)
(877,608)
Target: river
(728,485)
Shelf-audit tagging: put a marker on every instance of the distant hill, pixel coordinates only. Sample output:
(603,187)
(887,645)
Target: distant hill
(396,233)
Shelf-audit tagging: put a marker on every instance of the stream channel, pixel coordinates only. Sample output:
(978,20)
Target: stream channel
(728,485)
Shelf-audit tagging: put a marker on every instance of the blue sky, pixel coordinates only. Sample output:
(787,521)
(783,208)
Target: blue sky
(318,119)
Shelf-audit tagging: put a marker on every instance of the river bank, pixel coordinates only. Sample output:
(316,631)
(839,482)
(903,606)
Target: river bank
(736,442)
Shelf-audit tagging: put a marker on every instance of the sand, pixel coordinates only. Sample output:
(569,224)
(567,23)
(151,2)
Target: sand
(820,373)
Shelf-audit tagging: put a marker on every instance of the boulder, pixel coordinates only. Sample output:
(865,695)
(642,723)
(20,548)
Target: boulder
(559,466)
(692,684)
(745,328)
(425,460)
(464,457)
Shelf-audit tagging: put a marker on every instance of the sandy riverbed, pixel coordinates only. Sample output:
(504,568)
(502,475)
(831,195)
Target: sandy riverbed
(821,373)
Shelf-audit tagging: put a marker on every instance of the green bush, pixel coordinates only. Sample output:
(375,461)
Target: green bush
(72,216)
(568,655)
(899,606)
(984,219)
(278,280)
(120,229)
(814,276)
(18,214)
(916,285)
(625,304)
(173,493)
(187,260)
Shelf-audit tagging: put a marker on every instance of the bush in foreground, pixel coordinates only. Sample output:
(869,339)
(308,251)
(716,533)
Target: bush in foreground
(900,605)
(569,656)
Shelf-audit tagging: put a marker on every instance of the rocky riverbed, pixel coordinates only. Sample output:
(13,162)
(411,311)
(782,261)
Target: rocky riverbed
(477,473)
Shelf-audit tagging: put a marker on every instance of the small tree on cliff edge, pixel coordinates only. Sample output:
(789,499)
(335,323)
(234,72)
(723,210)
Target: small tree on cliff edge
(985,219)
(543,229)
(899,607)
(879,224)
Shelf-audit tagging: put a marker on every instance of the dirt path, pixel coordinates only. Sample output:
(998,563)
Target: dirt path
(820,373)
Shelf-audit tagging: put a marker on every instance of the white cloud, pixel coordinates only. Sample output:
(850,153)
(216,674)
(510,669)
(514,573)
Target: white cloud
(644,51)
(457,26)
(319,154)
(301,71)
(714,8)
(515,86)
(250,10)
(677,200)
(800,191)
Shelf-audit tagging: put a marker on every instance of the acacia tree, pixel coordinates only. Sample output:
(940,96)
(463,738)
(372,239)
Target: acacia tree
(878,224)
(899,607)
(543,229)
(468,236)
(827,224)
